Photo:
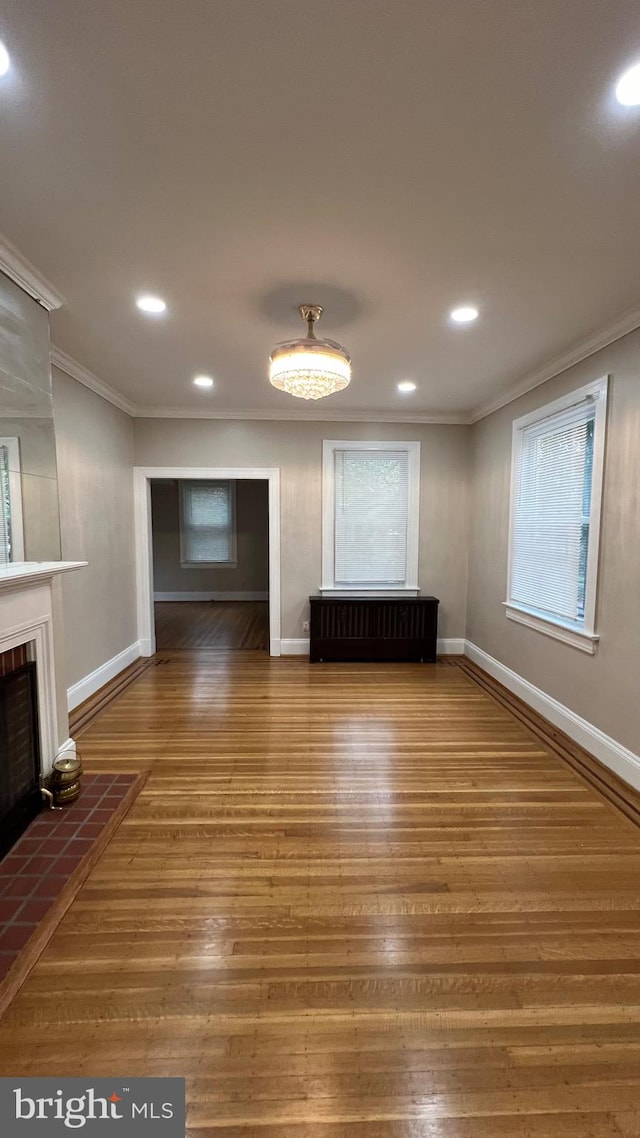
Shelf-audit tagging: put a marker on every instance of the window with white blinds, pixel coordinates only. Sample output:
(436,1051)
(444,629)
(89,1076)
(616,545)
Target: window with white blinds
(370,522)
(555,508)
(207,523)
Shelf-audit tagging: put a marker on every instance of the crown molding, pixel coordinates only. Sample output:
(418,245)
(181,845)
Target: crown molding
(71,367)
(580,351)
(302,416)
(618,328)
(24,274)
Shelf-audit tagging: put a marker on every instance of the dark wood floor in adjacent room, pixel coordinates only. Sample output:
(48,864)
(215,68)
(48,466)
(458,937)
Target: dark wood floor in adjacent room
(230,625)
(353,901)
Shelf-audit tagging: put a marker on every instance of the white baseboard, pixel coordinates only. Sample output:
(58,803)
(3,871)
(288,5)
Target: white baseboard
(612,754)
(294,647)
(453,647)
(217,596)
(85,687)
(301,647)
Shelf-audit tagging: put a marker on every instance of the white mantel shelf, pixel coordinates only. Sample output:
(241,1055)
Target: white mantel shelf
(31,572)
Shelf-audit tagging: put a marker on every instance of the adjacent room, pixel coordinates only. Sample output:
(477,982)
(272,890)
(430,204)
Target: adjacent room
(320,568)
(210,563)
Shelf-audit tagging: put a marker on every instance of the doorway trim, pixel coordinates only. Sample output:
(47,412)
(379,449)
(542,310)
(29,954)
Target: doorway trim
(142,476)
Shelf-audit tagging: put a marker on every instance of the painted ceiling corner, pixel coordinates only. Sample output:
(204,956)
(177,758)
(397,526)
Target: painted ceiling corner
(580,351)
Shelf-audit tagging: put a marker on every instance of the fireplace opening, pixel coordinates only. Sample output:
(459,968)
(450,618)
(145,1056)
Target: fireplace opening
(20,797)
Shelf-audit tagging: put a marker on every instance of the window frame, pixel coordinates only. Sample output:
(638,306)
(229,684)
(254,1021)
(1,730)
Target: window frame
(15,498)
(232,562)
(411,587)
(582,636)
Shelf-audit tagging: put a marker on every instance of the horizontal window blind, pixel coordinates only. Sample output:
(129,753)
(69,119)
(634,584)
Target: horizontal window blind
(371,515)
(5,508)
(551,513)
(207,521)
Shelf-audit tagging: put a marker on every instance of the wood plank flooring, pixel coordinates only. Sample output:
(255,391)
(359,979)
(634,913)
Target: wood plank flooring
(352,900)
(231,625)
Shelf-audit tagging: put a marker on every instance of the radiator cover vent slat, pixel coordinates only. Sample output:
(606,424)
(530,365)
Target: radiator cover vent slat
(355,628)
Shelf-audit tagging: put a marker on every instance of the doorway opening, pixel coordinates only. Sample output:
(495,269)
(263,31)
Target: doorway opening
(204,529)
(210,544)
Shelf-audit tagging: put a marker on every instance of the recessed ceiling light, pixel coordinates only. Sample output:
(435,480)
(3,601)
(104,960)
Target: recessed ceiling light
(464,315)
(5,59)
(154,305)
(406,386)
(203,381)
(628,87)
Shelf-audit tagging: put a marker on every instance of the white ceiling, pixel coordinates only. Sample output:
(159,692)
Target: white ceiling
(387,158)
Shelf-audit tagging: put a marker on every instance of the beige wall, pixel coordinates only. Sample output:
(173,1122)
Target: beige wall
(252,543)
(95,457)
(296,448)
(601,688)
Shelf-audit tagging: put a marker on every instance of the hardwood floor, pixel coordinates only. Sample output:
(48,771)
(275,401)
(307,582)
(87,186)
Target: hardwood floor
(350,900)
(240,625)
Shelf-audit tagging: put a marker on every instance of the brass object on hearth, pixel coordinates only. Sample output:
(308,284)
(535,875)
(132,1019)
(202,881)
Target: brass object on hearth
(65,779)
(64,794)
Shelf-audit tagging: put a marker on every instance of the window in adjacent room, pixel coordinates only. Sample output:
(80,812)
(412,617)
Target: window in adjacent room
(370,516)
(11,533)
(558,458)
(207,524)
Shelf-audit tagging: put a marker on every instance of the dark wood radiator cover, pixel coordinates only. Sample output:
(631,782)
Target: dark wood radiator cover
(373,628)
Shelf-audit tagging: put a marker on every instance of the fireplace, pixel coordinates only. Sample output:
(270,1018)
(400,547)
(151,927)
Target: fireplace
(20,797)
(33,720)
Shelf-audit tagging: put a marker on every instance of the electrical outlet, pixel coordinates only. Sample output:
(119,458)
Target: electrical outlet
(305,626)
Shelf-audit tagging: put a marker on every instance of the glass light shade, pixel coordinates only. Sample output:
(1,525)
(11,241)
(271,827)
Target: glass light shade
(310,368)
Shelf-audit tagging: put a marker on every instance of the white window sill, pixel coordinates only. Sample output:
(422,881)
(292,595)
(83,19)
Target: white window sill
(389,591)
(208,564)
(576,638)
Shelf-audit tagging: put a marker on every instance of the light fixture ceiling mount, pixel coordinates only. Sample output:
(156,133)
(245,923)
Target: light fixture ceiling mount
(310,368)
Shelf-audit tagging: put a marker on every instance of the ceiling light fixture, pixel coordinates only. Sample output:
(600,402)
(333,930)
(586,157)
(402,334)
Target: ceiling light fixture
(310,368)
(628,87)
(406,385)
(153,305)
(466,314)
(203,381)
(5,59)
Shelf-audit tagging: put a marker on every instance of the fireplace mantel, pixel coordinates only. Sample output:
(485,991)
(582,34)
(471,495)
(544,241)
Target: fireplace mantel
(30,606)
(22,573)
